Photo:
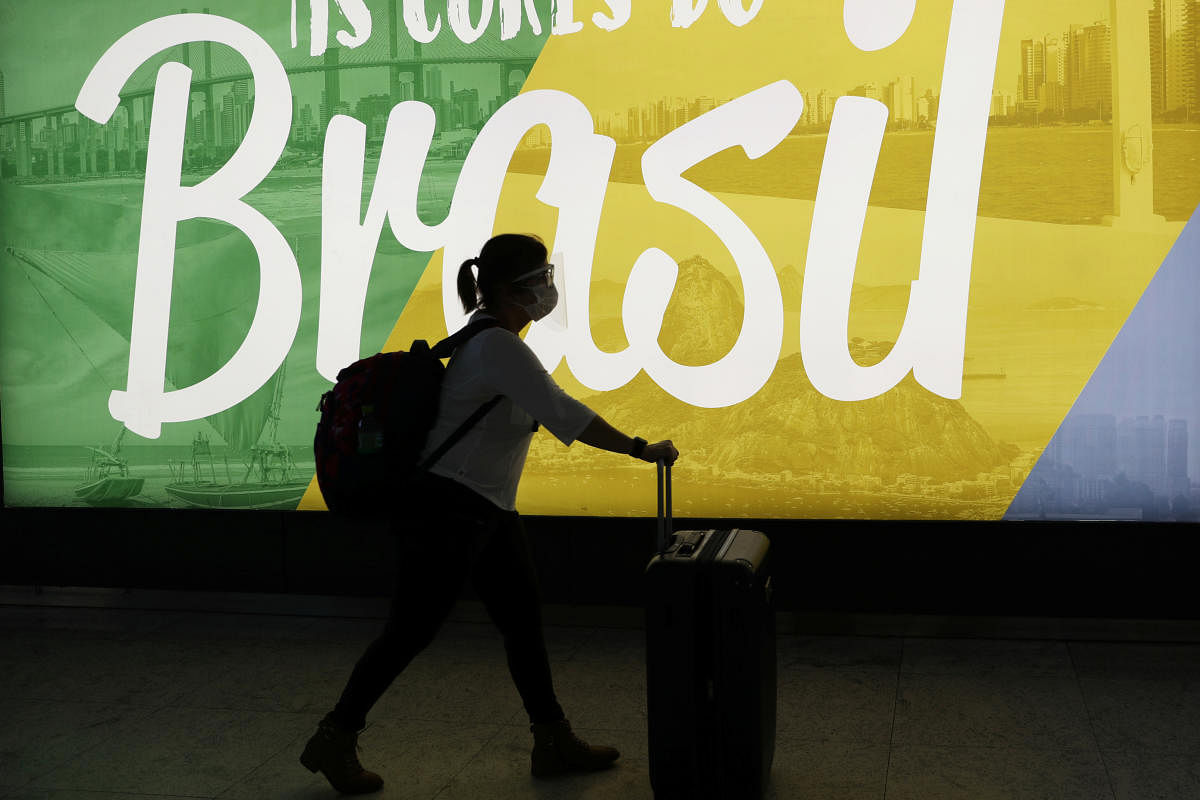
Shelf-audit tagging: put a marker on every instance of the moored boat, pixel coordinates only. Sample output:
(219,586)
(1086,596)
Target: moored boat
(108,481)
(270,479)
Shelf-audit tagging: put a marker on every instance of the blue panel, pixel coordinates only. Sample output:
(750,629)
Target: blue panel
(1123,451)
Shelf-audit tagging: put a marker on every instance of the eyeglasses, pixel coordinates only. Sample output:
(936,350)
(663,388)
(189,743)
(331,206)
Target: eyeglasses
(534,277)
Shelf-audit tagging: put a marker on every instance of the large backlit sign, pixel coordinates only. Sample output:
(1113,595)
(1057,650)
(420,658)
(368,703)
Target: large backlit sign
(741,269)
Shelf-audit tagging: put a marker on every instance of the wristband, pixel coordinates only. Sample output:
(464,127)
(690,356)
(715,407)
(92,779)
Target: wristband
(639,447)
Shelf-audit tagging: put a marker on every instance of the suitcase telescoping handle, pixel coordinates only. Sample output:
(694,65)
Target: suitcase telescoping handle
(665,523)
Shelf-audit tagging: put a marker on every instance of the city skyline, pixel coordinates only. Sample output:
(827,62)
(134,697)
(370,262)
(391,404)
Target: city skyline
(79,45)
(1056,75)
(1101,465)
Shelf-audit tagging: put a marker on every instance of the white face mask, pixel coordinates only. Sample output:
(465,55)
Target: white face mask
(545,294)
(545,299)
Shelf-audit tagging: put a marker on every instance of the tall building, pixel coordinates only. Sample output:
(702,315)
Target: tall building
(3,102)
(1175,55)
(868,90)
(901,100)
(1087,71)
(1052,96)
(227,120)
(1002,104)
(1033,71)
(1178,482)
(662,117)
(466,107)
(825,103)
(1157,73)
(1150,435)
(680,114)
(809,117)
(371,106)
(433,83)
(235,113)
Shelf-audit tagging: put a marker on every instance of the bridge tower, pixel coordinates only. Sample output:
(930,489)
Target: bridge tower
(210,119)
(333,80)
(507,68)
(187,127)
(24,149)
(413,67)
(393,52)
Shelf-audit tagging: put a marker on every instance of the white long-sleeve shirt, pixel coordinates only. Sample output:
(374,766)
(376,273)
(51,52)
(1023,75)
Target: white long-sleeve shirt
(490,457)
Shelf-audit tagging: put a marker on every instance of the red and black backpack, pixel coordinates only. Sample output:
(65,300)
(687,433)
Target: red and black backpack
(376,419)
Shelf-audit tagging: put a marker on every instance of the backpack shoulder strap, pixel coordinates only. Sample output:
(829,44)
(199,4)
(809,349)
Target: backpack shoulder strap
(460,432)
(460,337)
(445,348)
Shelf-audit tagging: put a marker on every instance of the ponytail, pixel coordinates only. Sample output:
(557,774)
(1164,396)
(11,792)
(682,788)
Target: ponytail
(467,286)
(502,258)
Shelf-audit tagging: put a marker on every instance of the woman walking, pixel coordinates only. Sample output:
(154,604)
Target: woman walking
(468,526)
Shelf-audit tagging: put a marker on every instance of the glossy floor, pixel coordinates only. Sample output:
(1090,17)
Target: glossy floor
(117,703)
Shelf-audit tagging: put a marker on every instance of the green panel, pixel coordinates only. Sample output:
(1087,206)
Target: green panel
(70,217)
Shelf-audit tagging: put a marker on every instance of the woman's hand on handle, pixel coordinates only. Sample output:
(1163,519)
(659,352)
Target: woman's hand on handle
(600,434)
(660,451)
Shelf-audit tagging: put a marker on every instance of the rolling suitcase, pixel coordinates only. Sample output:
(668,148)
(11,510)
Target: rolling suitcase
(710,661)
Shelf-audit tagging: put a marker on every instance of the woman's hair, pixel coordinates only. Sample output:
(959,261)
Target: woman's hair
(502,258)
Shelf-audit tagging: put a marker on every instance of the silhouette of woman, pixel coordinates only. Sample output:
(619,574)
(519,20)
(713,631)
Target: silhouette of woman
(468,525)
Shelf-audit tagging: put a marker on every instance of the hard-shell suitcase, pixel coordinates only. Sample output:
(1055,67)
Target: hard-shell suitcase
(710,661)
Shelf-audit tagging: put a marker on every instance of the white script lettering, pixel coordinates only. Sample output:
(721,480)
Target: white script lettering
(933,337)
(931,340)
(144,406)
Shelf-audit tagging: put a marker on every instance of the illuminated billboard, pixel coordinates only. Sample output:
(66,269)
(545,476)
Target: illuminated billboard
(862,259)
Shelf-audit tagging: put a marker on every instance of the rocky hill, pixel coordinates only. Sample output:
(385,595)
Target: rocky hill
(704,317)
(789,425)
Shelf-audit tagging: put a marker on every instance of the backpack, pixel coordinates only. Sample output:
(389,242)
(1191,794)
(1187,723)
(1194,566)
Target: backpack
(376,419)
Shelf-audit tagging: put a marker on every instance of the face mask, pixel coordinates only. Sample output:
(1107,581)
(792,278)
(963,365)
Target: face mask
(545,299)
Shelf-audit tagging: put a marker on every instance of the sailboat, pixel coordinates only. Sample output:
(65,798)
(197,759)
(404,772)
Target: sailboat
(269,482)
(108,481)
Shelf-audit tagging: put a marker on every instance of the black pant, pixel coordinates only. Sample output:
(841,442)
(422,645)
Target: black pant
(459,533)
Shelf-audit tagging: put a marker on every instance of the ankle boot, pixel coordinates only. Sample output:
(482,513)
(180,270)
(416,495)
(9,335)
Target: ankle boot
(556,750)
(333,751)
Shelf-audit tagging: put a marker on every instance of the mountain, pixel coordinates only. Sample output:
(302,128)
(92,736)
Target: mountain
(704,317)
(790,285)
(788,425)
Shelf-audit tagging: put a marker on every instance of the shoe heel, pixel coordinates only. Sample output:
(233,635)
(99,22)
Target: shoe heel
(309,762)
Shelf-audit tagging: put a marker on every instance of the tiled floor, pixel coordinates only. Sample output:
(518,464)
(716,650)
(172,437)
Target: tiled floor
(116,704)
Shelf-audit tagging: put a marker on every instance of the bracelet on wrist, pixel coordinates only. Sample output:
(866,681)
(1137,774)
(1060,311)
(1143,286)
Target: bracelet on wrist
(639,447)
